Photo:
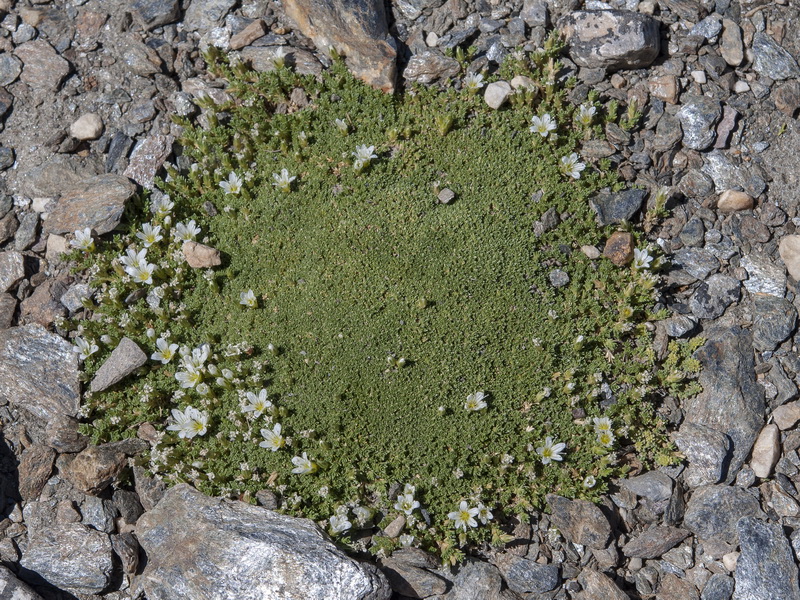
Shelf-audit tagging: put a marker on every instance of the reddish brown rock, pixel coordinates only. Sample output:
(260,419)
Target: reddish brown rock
(97,203)
(95,468)
(200,256)
(619,248)
(248,35)
(43,69)
(35,467)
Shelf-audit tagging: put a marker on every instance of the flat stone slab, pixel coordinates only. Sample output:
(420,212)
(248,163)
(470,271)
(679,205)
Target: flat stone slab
(124,360)
(97,203)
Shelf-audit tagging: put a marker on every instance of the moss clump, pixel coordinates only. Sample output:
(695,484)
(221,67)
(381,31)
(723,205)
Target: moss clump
(378,310)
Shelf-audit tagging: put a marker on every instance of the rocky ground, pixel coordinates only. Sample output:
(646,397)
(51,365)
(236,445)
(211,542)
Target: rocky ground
(86,90)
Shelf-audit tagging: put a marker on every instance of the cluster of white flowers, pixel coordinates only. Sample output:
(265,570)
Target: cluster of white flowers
(193,364)
(150,234)
(189,423)
(137,267)
(186,232)
(405,501)
(257,404)
(603,429)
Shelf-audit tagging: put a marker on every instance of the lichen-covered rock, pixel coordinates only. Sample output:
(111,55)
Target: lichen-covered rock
(124,360)
(13,588)
(580,521)
(766,569)
(201,548)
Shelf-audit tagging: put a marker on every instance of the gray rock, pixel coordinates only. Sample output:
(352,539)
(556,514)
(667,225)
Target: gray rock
(722,171)
(770,60)
(155,13)
(731,46)
(8,306)
(654,542)
(708,27)
(714,510)
(149,489)
(70,556)
(203,15)
(97,203)
(127,548)
(775,320)
(558,278)
(679,325)
(14,589)
(714,295)
(263,59)
(35,467)
(39,372)
(614,39)
(525,576)
(456,37)
(43,68)
(580,521)
(430,66)
(62,172)
(12,269)
(718,587)
(412,581)
(597,585)
(656,486)
(707,452)
(147,158)
(668,133)
(233,545)
(731,401)
(617,207)
(766,569)
(763,276)
(693,233)
(535,13)
(699,263)
(7,157)
(99,514)
(61,434)
(10,68)
(497,93)
(124,360)
(73,298)
(25,236)
(477,580)
(128,505)
(698,116)
(8,227)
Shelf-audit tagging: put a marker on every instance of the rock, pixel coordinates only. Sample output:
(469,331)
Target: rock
(617,207)
(698,116)
(714,510)
(497,93)
(558,278)
(786,415)
(12,269)
(655,486)
(766,568)
(726,126)
(412,581)
(62,172)
(61,434)
(147,158)
(87,127)
(580,521)
(693,233)
(769,59)
(698,263)
(718,587)
(43,68)
(766,451)
(25,235)
(446,196)
(155,13)
(708,28)
(733,200)
(597,585)
(731,46)
(614,39)
(8,306)
(14,589)
(70,556)
(787,98)
(124,360)
(714,295)
(127,549)
(93,469)
(394,528)
(706,451)
(99,514)
(654,542)
(731,401)
(39,372)
(674,588)
(10,68)
(525,576)
(668,133)
(236,544)
(775,320)
(42,306)
(679,325)
(763,276)
(477,580)
(619,248)
(789,250)
(35,467)
(248,35)
(203,15)
(97,203)
(8,227)
(73,298)
(535,13)
(200,256)
(263,59)
(666,88)
(357,29)
(430,66)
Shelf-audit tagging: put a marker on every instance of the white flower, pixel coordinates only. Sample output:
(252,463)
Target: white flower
(303,465)
(341,125)
(473,82)
(641,259)
(406,540)
(464,517)
(141,273)
(475,401)
(602,424)
(550,451)
(406,503)
(363,154)
(586,114)
(589,481)
(543,126)
(283,182)
(85,348)
(162,206)
(150,234)
(279,57)
(165,352)
(190,377)
(83,240)
(134,259)
(606,438)
(484,514)
(571,167)
(363,515)
(409,489)
(186,232)
(340,524)
(257,404)
(189,423)
(197,357)
(248,299)
(273,440)
(233,185)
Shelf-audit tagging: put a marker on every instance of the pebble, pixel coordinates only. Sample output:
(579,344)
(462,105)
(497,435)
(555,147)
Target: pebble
(155,13)
(787,415)
(497,94)
(87,127)
(43,69)
(599,585)
(698,116)
(430,66)
(124,360)
(708,28)
(731,46)
(619,248)
(766,567)
(766,451)
(200,256)
(98,203)
(740,87)
(526,577)
(147,158)
(734,200)
(713,511)
(10,68)
(654,542)
(617,207)
(580,521)
(714,295)
(394,528)
(699,76)
(706,451)
(558,278)
(12,269)
(775,320)
(25,236)
(763,276)
(248,35)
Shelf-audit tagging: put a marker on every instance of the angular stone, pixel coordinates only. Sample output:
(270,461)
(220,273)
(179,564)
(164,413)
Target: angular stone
(654,542)
(62,435)
(668,133)
(87,127)
(99,514)
(769,59)
(580,521)
(42,306)
(731,401)
(789,250)
(147,158)
(124,360)
(394,528)
(70,556)
(699,263)
(263,59)
(617,207)
(97,203)
(596,585)
(708,28)
(731,46)
(357,29)
(714,295)
(655,486)
(619,248)
(127,548)
(8,306)
(8,227)
(14,589)
(786,415)
(430,66)
(128,505)
(43,69)
(93,469)
(35,467)
(714,510)
(674,588)
(477,580)
(707,451)
(200,256)
(39,372)
(149,489)
(718,587)
(698,116)
(614,39)
(25,235)
(666,88)
(12,269)
(203,15)
(61,172)
(525,576)
(10,68)
(139,58)
(763,276)
(766,451)
(766,569)
(155,13)
(734,200)
(248,35)
(237,544)
(412,581)
(775,320)
(497,93)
